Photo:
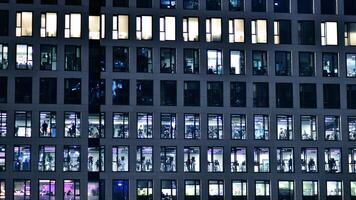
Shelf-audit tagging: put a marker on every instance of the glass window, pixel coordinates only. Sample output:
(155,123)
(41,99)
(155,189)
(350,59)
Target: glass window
(238,127)
(214,62)
(144,125)
(96,159)
(96,125)
(308,128)
(46,158)
(47,189)
(215,156)
(259,63)
(72,2)
(2,162)
(236,5)
(216,190)
(237,94)
(306,6)
(120,27)
(23,123)
(120,92)
(306,32)
(71,158)
(331,95)
(191,126)
(192,189)
(351,95)
(168,4)
(97,27)
(351,122)
(24,57)
(351,65)
(3,123)
(191,29)
(23,90)
(353,189)
(71,189)
(285,160)
(53,2)
(121,125)
(144,189)
(284,95)
(167,27)
(328,7)
(22,189)
(96,92)
(259,30)
(310,190)
(285,127)
(330,65)
(333,160)
(4,56)
(213,4)
(306,64)
(72,124)
(239,189)
(144,159)
(191,4)
(329,33)
(215,93)
(281,6)
(72,91)
(168,60)
(120,158)
(258,6)
(333,190)
(238,159)
(144,59)
(120,3)
(260,95)
(309,160)
(144,27)
(191,93)
(307,95)
(350,34)
(332,128)
(168,126)
(120,189)
(191,61)
(237,62)
(352,160)
(286,190)
(283,63)
(3,90)
(236,29)
(349,7)
(96,190)
(48,57)
(191,159)
(262,189)
(261,159)
(4,21)
(72,58)
(120,59)
(168,158)
(48,24)
(2,189)
(72,25)
(282,30)
(23,24)
(215,126)
(213,28)
(22,158)
(261,127)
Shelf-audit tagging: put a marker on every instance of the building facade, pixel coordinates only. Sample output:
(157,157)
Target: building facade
(178,99)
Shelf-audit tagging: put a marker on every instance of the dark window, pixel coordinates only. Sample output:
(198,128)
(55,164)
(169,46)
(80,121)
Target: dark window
(236,5)
(24,1)
(213,4)
(260,95)
(120,190)
(4,1)
(120,59)
(169,4)
(284,95)
(259,63)
(120,3)
(144,60)
(328,7)
(72,91)
(283,63)
(281,6)
(23,90)
(48,90)
(191,4)
(96,59)
(349,7)
(144,92)
(305,6)
(144,3)
(3,89)
(120,92)
(4,22)
(48,1)
(238,94)
(306,32)
(73,2)
(168,60)
(191,93)
(351,96)
(330,65)
(283,32)
(191,61)
(215,93)
(168,93)
(258,5)
(331,95)
(306,64)
(307,94)
(72,58)
(48,57)
(97,92)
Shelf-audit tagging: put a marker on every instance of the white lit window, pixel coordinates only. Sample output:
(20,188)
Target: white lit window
(328,33)
(214,62)
(276,32)
(350,34)
(237,62)
(48,24)
(191,29)
(213,29)
(259,31)
(23,56)
(23,24)
(72,25)
(236,30)
(97,27)
(167,28)
(120,24)
(144,27)
(4,60)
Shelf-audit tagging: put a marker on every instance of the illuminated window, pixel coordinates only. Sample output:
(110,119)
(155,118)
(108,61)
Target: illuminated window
(72,25)
(144,189)
(72,124)
(23,123)
(353,189)
(239,189)
(215,126)
(2,161)
(120,26)
(192,189)
(351,122)
(96,189)
(48,57)
(167,28)
(285,160)
(191,159)
(97,27)
(48,24)
(261,159)
(2,189)
(329,33)
(3,125)
(46,158)
(120,125)
(191,126)
(48,125)
(120,92)
(308,127)
(168,155)
(214,62)
(350,64)
(22,158)
(168,4)
(262,189)
(96,159)
(71,158)
(284,127)
(24,56)
(261,127)
(216,190)
(286,190)
(96,125)
(71,189)
(191,29)
(332,128)
(350,34)
(238,127)
(47,189)
(215,156)
(236,5)
(144,159)
(352,160)
(236,30)
(330,64)
(259,31)
(4,57)
(144,27)
(309,160)
(333,190)
(168,60)
(23,24)
(282,32)
(310,190)
(168,126)
(238,159)
(22,189)
(120,158)
(144,125)
(213,29)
